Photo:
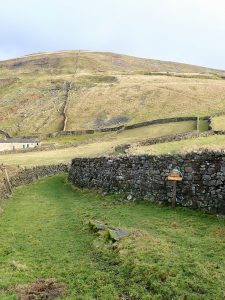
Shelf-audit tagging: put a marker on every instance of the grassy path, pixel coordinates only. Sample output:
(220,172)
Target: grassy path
(171,255)
(42,229)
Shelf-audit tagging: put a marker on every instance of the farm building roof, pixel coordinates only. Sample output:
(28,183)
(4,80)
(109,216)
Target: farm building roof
(19,140)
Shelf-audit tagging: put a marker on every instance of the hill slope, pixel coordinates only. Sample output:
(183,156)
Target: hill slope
(47,92)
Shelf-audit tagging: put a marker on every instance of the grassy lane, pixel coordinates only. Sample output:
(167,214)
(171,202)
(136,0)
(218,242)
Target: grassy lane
(171,254)
(42,229)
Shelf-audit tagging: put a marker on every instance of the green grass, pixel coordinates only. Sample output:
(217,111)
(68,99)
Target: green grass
(153,131)
(172,254)
(211,142)
(203,125)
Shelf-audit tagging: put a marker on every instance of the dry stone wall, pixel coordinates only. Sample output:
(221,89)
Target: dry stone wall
(175,137)
(123,127)
(170,138)
(87,131)
(145,178)
(160,121)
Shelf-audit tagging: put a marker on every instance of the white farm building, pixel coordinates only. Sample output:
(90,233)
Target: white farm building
(17,143)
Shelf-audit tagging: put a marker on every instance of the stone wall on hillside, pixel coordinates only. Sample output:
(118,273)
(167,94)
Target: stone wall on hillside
(145,177)
(170,138)
(175,137)
(160,121)
(123,127)
(23,176)
(85,131)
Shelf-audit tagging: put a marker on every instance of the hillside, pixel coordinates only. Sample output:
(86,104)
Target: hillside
(71,90)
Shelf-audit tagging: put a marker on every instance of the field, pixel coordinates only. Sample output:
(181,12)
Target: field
(54,156)
(101,90)
(215,142)
(138,98)
(167,256)
(105,146)
(152,131)
(74,139)
(203,125)
(218,123)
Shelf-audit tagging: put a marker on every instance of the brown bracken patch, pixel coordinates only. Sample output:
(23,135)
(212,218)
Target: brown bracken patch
(41,289)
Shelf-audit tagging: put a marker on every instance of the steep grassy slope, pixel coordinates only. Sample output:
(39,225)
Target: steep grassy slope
(93,90)
(137,98)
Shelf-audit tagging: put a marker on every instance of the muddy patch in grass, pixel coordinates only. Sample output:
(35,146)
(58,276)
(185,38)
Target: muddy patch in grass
(40,290)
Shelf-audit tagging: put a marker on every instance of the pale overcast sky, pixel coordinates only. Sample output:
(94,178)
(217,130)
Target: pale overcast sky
(191,31)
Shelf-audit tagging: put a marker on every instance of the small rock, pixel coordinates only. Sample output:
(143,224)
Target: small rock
(117,234)
(120,177)
(96,226)
(129,197)
(188,169)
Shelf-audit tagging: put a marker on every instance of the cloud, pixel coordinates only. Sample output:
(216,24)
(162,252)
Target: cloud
(188,31)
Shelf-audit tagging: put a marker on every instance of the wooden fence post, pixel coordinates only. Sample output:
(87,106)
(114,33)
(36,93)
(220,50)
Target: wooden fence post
(174,194)
(7,178)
